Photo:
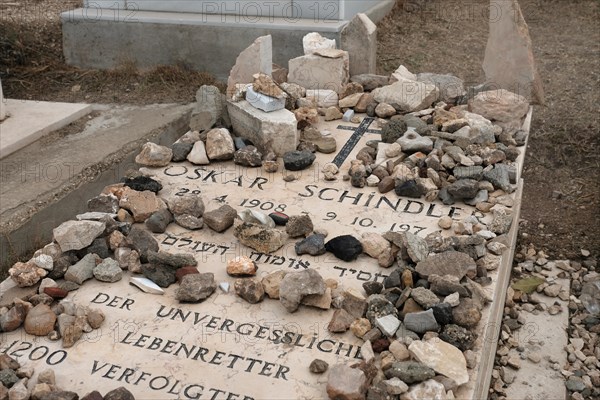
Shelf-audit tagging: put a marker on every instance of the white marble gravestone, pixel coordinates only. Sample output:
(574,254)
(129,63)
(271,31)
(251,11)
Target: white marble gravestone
(225,348)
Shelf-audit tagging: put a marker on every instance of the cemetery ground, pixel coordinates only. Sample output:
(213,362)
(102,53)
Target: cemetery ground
(561,200)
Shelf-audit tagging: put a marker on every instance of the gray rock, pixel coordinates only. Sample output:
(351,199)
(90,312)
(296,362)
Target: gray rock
(370,81)
(259,238)
(249,289)
(421,322)
(82,270)
(474,172)
(221,219)
(176,261)
(412,142)
(256,217)
(443,313)
(75,235)
(8,378)
(501,221)
(296,285)
(447,263)
(388,324)
(346,383)
(409,372)
(189,221)
(313,245)
(196,287)
(181,151)
(340,321)
(108,271)
(446,285)
(299,225)
(142,241)
(480,197)
(298,160)
(424,297)
(458,336)
(158,221)
(415,246)
(105,203)
(463,189)
(499,177)
(318,366)
(209,108)
(467,313)
(190,204)
(393,131)
(98,247)
(162,275)
(379,306)
(409,188)
(248,156)
(450,87)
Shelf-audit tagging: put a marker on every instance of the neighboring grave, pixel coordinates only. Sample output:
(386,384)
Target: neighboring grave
(204,35)
(155,346)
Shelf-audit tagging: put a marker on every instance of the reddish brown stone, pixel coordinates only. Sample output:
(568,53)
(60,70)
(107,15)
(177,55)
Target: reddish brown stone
(56,292)
(381,344)
(181,272)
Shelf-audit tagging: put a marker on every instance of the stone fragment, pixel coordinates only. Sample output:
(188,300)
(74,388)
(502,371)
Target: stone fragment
(340,321)
(119,393)
(388,324)
(502,220)
(26,274)
(377,247)
(146,285)
(399,350)
(196,287)
(360,327)
(346,383)
(467,313)
(55,292)
(40,320)
(279,218)
(350,101)
(299,225)
(313,245)
(323,97)
(424,297)
(143,183)
(412,142)
(450,87)
(509,62)
(430,389)
(241,266)
(464,189)
(499,105)
(322,301)
(345,247)
(271,283)
(256,217)
(298,160)
(318,366)
(219,144)
(410,372)
(359,38)
(249,156)
(220,219)
(261,239)
(75,235)
(325,72)
(458,337)
(183,271)
(256,58)
(264,84)
(95,318)
(421,321)
(82,270)
(162,275)
(264,102)
(141,204)
(415,246)
(394,386)
(296,285)
(275,131)
(249,289)
(154,155)
(108,271)
(142,241)
(370,81)
(409,95)
(314,41)
(159,221)
(401,74)
(106,203)
(198,155)
(447,263)
(208,110)
(442,357)
(332,113)
(190,204)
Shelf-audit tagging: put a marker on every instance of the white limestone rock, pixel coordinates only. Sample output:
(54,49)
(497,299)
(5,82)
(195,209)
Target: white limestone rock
(314,41)
(408,94)
(316,72)
(264,102)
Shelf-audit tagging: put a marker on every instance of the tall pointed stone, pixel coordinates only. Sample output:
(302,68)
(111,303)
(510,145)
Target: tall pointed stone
(359,39)
(509,62)
(258,57)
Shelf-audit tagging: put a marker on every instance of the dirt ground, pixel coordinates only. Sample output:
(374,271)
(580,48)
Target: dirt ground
(561,206)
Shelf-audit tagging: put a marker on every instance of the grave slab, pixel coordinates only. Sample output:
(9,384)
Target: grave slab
(30,120)
(253,350)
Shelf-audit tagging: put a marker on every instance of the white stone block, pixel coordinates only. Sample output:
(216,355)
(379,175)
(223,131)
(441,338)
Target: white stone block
(264,102)
(317,72)
(276,131)
(323,98)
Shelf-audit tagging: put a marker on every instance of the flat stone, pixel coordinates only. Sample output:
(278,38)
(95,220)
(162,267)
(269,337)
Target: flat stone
(75,235)
(330,73)
(499,105)
(296,285)
(143,183)
(447,263)
(82,270)
(141,204)
(173,260)
(345,247)
(154,155)
(447,285)
(275,131)
(142,241)
(359,38)
(449,86)
(298,160)
(509,62)
(340,321)
(256,58)
(196,287)
(388,324)
(377,247)
(409,95)
(467,313)
(189,221)
(412,142)
(108,270)
(313,245)
(40,320)
(464,189)
(421,321)
(322,301)
(263,102)
(220,219)
(258,238)
(345,383)
(410,372)
(415,246)
(442,357)
(256,217)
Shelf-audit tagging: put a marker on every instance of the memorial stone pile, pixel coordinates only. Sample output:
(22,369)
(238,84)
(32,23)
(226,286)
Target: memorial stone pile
(402,303)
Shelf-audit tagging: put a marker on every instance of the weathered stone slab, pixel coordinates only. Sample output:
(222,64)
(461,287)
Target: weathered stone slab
(318,72)
(256,58)
(359,39)
(275,131)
